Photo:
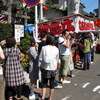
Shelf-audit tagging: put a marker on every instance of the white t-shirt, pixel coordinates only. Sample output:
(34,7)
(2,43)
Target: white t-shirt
(93,39)
(63,50)
(1,70)
(52,55)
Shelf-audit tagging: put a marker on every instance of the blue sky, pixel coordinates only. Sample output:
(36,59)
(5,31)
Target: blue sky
(90,5)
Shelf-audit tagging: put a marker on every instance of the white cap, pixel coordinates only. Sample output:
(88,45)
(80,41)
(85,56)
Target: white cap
(37,40)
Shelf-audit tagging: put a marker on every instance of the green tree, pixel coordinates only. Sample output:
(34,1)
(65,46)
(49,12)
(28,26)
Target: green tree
(5,30)
(25,42)
(15,9)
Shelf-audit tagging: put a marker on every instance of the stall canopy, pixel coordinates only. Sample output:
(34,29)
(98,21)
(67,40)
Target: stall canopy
(29,27)
(75,23)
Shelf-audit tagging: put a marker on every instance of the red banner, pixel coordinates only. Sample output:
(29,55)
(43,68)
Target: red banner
(67,24)
(97,23)
(44,27)
(70,25)
(85,26)
(56,28)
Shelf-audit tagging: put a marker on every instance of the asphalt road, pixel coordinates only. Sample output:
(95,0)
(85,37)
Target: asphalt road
(84,86)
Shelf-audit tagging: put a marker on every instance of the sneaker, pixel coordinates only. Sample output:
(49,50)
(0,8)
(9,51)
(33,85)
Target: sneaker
(33,97)
(60,81)
(58,87)
(72,76)
(92,62)
(66,82)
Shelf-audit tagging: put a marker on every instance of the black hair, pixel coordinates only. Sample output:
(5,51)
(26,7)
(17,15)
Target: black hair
(10,42)
(50,40)
(64,32)
(43,34)
(86,36)
(32,41)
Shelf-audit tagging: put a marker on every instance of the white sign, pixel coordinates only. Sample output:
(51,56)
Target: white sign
(19,32)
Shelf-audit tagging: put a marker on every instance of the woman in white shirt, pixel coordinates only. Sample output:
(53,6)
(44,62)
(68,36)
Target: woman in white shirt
(49,58)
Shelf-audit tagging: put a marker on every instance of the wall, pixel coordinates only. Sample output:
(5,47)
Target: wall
(73,6)
(53,15)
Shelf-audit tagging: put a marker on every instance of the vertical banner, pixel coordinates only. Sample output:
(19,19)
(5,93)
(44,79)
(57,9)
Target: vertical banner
(19,32)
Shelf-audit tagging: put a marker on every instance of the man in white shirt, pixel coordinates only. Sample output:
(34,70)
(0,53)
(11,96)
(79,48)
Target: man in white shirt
(64,48)
(92,47)
(2,86)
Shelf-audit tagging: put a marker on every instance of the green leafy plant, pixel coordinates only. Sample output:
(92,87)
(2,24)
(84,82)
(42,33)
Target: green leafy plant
(5,30)
(25,42)
(24,46)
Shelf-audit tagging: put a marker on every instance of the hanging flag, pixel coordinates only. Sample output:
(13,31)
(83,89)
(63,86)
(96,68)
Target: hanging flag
(2,16)
(3,19)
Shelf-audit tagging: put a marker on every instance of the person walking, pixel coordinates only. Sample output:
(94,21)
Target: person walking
(49,58)
(2,83)
(13,70)
(64,48)
(33,67)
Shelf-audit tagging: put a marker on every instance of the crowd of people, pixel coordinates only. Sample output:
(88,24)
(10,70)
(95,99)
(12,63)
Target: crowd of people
(52,55)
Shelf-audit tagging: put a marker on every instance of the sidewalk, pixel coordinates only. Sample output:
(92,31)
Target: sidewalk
(38,90)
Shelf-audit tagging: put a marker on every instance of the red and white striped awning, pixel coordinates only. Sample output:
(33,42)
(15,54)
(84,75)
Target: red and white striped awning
(3,19)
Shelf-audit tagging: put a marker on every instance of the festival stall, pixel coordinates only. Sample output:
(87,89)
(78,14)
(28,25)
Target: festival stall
(97,29)
(74,23)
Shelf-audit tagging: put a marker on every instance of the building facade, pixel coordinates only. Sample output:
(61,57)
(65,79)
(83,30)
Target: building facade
(64,8)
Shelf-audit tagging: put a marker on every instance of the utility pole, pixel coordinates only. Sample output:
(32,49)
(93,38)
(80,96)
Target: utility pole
(35,35)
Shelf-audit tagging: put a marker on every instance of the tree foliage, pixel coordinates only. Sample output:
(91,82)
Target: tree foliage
(5,30)
(18,10)
(25,42)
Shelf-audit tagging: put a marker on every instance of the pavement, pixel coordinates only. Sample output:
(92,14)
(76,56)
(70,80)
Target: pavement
(84,86)
(73,90)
